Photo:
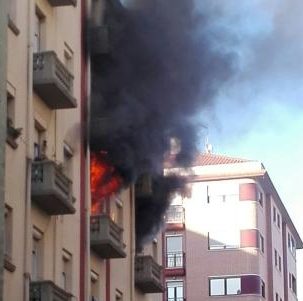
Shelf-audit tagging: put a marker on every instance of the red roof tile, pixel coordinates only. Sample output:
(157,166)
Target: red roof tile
(206,159)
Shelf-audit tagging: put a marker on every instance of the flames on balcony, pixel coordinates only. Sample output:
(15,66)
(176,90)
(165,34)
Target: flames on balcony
(104,179)
(153,67)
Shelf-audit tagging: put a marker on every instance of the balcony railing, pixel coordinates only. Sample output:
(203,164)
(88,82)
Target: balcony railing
(62,2)
(52,81)
(106,237)
(51,189)
(175,260)
(175,214)
(47,290)
(148,275)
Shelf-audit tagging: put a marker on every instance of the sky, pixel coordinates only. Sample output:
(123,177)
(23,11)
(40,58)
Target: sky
(259,113)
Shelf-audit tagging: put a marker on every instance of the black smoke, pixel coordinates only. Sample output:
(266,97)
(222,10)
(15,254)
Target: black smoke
(163,65)
(150,209)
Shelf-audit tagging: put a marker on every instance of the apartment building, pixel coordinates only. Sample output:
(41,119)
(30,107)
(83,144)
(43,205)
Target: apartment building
(231,236)
(56,247)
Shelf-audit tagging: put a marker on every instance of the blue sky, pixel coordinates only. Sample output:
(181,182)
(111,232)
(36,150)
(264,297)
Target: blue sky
(259,113)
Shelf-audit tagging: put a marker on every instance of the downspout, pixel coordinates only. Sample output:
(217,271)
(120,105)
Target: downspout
(107,262)
(3,57)
(84,243)
(132,242)
(29,152)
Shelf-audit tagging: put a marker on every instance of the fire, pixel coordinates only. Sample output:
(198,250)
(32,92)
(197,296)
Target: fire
(104,180)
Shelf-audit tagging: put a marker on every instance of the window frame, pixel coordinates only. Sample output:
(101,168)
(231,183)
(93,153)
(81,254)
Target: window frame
(225,285)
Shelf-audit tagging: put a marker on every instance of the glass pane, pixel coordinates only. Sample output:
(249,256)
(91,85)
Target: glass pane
(174,244)
(233,286)
(171,292)
(180,292)
(217,287)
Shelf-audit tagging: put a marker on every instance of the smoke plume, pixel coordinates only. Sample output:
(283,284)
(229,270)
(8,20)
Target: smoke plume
(163,65)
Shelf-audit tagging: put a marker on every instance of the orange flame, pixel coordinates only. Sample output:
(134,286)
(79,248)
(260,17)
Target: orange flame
(104,181)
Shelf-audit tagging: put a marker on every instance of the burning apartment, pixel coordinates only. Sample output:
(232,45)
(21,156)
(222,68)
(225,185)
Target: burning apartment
(96,90)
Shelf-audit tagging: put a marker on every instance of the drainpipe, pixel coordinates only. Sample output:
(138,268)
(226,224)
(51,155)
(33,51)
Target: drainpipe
(132,241)
(84,180)
(3,53)
(29,152)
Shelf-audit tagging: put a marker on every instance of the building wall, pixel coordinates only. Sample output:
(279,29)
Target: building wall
(59,233)
(207,213)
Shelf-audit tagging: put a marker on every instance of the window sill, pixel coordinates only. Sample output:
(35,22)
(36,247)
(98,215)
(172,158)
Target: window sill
(8,265)
(12,26)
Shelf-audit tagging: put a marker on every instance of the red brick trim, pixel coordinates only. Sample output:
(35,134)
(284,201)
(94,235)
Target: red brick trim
(248,192)
(249,238)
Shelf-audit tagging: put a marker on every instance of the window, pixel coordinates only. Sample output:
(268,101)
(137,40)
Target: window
(290,280)
(260,198)
(217,287)
(261,243)
(294,284)
(174,251)
(40,143)
(37,254)
(277,297)
(280,263)
(233,286)
(276,258)
(11,108)
(8,224)
(119,295)
(66,270)
(39,31)
(68,160)
(12,133)
(95,286)
(117,211)
(291,244)
(274,215)
(278,220)
(263,288)
(175,290)
(68,58)
(223,239)
(225,286)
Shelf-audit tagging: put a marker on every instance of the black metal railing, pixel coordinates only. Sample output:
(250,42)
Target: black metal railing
(175,214)
(175,260)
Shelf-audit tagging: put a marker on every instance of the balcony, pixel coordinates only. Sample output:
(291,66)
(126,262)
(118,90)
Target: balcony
(148,275)
(175,260)
(174,218)
(52,81)
(175,264)
(55,3)
(106,237)
(51,189)
(46,291)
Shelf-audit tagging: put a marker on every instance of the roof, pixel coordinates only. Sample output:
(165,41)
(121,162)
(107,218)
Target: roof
(202,159)
(213,159)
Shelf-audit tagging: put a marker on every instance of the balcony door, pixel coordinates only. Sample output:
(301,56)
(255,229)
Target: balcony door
(175,291)
(174,251)
(39,31)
